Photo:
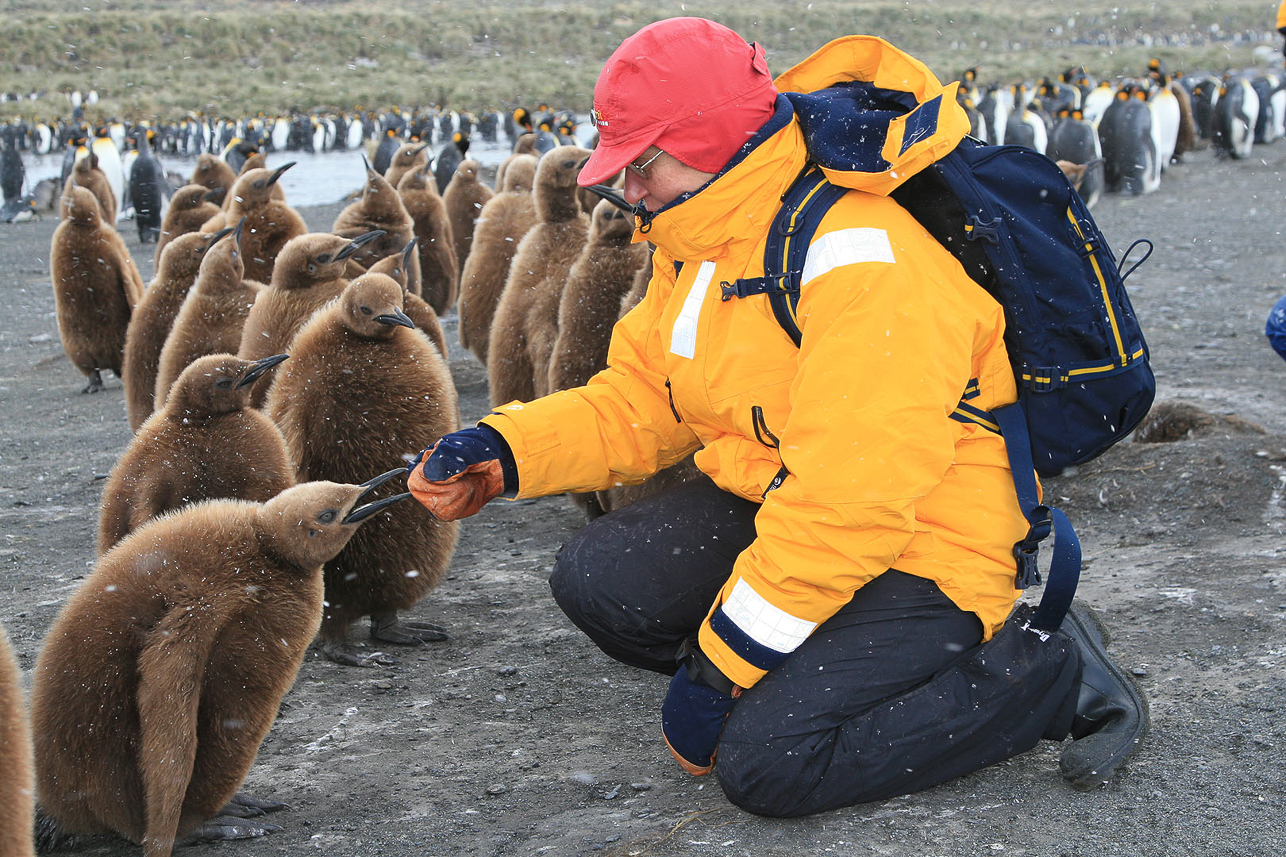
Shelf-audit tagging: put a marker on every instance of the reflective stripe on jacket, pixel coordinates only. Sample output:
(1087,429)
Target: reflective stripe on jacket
(879,475)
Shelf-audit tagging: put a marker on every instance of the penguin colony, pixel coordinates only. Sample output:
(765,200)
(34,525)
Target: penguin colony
(269,371)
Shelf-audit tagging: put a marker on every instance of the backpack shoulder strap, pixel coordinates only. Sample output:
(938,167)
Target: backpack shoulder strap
(803,206)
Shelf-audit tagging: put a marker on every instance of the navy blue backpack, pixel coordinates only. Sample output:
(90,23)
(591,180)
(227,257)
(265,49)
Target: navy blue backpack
(1015,223)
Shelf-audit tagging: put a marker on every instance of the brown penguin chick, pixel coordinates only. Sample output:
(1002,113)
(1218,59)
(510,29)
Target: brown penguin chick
(464,198)
(379,207)
(1187,139)
(436,247)
(591,301)
(162,674)
(206,442)
(212,172)
(361,389)
(153,317)
(416,308)
(408,157)
(502,224)
(190,207)
(269,221)
(310,272)
(212,315)
(95,288)
(86,174)
(526,320)
(17,784)
(526,144)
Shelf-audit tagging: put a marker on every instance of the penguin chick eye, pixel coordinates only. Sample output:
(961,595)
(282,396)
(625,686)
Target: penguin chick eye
(223,384)
(327,517)
(366,310)
(323,259)
(259,185)
(312,269)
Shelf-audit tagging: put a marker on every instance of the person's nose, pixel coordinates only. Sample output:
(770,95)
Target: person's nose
(635,187)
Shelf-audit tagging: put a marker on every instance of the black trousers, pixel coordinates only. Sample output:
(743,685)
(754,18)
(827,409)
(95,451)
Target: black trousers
(891,695)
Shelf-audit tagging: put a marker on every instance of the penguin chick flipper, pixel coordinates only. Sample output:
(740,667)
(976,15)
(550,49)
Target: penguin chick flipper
(349,655)
(244,806)
(386,628)
(222,828)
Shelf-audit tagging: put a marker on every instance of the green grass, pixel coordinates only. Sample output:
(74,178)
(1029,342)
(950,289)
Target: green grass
(160,60)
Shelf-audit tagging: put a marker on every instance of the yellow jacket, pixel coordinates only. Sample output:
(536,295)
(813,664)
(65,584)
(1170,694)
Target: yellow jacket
(880,476)
(1281,16)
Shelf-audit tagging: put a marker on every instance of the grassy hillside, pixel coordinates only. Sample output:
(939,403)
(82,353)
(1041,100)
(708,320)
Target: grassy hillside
(161,59)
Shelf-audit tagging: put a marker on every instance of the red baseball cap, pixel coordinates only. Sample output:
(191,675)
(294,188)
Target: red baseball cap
(692,87)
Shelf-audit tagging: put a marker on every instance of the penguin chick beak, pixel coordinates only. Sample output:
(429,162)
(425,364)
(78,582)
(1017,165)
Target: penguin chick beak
(219,236)
(236,232)
(612,195)
(367,164)
(408,250)
(258,368)
(215,195)
(358,243)
(360,513)
(418,149)
(277,173)
(395,317)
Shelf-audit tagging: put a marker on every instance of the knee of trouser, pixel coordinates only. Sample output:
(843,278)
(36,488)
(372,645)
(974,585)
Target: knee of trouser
(574,579)
(764,781)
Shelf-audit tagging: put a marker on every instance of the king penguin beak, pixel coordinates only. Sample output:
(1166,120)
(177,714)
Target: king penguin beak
(408,250)
(396,317)
(272,179)
(258,368)
(612,195)
(358,243)
(360,512)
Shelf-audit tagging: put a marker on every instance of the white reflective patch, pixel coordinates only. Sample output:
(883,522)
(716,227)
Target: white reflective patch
(683,339)
(846,247)
(766,624)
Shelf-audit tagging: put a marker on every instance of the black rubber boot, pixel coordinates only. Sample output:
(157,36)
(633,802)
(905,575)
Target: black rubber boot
(1111,711)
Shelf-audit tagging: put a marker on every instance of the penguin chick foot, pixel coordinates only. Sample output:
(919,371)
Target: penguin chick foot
(388,629)
(222,828)
(350,655)
(244,806)
(95,383)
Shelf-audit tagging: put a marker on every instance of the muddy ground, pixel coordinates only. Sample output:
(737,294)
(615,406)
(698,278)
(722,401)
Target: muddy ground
(519,737)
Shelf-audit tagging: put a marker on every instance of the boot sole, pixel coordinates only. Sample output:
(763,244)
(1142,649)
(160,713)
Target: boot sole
(1093,760)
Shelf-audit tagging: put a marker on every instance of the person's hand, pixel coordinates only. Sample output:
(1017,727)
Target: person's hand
(692,718)
(459,474)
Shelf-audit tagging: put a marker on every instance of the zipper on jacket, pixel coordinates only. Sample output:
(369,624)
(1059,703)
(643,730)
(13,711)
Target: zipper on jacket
(669,391)
(762,434)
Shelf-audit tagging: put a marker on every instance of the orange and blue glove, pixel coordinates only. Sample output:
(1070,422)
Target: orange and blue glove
(695,708)
(463,472)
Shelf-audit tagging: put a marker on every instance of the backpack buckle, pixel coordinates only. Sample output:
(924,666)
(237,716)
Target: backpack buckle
(1027,548)
(1045,379)
(975,228)
(747,286)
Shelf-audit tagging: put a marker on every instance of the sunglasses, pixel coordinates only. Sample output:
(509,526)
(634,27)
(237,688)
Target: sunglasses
(639,168)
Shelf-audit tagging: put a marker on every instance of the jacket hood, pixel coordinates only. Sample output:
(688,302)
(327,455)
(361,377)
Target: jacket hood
(871,115)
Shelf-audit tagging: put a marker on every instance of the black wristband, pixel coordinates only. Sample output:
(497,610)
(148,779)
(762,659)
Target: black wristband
(702,670)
